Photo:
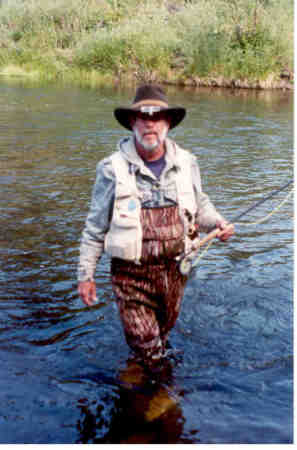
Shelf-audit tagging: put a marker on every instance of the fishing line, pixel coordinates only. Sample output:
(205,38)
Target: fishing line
(268,197)
(275,210)
(263,219)
(186,262)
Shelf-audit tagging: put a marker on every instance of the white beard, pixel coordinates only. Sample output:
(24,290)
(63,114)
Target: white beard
(145,145)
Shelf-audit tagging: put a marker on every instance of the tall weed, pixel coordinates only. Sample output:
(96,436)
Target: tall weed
(136,45)
(149,39)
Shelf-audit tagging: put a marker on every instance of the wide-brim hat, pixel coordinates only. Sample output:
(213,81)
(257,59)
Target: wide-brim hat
(149,99)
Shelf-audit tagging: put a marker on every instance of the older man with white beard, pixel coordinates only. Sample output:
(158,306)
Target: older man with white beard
(147,204)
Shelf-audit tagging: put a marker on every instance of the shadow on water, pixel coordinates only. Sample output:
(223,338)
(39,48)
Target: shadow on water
(142,412)
(61,376)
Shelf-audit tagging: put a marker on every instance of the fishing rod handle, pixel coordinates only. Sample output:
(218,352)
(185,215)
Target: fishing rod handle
(213,234)
(210,236)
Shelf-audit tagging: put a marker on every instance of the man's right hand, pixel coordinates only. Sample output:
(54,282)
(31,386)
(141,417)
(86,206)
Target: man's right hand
(87,292)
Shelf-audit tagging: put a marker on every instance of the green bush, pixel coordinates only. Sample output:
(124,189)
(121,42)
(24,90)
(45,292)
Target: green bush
(136,45)
(149,39)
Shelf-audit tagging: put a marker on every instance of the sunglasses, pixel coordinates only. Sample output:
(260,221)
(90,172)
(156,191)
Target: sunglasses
(156,116)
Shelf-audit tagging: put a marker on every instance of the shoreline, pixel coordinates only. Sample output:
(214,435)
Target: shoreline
(221,82)
(201,43)
(95,79)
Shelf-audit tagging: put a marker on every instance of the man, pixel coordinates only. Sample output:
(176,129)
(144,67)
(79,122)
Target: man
(146,209)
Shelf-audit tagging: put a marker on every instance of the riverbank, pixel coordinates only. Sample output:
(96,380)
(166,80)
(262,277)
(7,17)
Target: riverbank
(218,43)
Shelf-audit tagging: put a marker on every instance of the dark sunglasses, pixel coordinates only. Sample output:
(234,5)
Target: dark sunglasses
(160,115)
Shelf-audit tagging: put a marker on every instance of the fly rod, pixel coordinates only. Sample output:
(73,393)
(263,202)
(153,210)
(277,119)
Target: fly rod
(251,208)
(186,263)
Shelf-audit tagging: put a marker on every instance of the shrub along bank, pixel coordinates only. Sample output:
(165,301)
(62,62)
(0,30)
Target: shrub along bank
(243,43)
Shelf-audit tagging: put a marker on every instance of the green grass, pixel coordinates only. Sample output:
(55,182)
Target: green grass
(165,41)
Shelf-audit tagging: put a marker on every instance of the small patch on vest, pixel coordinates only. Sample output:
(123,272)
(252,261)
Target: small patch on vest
(131,205)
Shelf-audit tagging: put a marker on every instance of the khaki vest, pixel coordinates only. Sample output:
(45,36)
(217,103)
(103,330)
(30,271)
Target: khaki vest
(124,238)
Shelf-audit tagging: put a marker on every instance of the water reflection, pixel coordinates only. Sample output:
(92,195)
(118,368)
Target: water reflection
(143,411)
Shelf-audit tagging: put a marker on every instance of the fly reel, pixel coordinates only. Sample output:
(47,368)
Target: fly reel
(185,266)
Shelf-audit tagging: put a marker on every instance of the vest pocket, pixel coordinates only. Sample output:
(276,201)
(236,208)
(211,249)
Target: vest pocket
(124,237)
(126,212)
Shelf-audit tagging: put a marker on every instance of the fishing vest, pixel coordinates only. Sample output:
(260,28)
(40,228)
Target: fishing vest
(124,237)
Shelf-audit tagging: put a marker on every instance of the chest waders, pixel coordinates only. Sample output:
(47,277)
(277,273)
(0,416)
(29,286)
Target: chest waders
(145,277)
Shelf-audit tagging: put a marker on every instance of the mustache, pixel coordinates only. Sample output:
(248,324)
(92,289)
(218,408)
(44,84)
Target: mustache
(150,132)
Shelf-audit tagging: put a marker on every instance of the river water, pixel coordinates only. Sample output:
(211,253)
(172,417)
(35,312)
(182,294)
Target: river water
(231,374)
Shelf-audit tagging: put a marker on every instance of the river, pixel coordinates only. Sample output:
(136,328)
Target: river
(232,372)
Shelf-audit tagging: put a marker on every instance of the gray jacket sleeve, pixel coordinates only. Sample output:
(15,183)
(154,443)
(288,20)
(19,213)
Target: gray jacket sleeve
(97,222)
(207,213)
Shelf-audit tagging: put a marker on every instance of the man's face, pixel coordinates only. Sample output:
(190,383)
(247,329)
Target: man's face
(150,131)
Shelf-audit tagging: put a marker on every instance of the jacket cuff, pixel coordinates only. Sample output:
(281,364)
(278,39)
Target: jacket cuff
(89,256)
(83,275)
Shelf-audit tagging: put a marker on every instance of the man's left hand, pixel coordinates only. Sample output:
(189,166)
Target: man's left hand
(227,230)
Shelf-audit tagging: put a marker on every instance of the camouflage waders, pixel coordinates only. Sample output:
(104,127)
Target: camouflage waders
(149,295)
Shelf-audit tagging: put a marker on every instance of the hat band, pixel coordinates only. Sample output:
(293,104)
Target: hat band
(150,103)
